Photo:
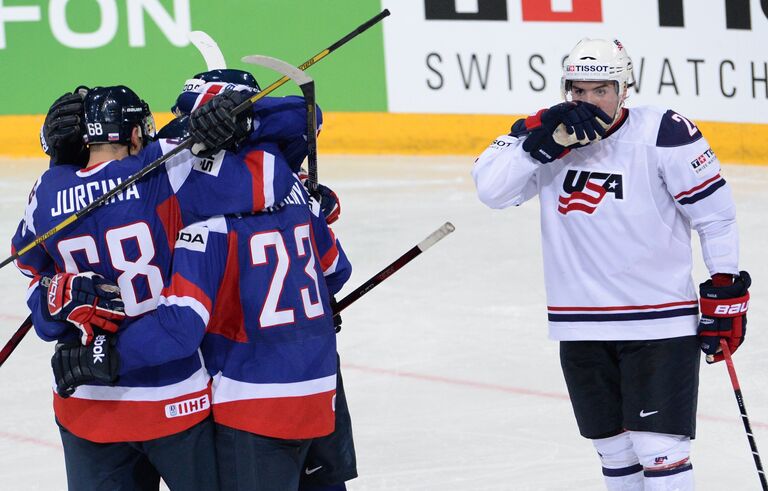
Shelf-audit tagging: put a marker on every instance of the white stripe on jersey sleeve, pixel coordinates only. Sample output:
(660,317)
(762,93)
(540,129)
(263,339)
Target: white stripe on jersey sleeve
(269,179)
(191,302)
(227,390)
(196,382)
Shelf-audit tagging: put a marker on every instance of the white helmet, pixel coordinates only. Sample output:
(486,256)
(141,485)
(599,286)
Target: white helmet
(597,60)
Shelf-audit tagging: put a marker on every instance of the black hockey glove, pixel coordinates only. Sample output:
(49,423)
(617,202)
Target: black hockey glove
(75,365)
(214,126)
(586,122)
(579,120)
(724,307)
(62,133)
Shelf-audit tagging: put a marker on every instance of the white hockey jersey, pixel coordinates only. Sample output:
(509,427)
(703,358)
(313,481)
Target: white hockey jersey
(616,220)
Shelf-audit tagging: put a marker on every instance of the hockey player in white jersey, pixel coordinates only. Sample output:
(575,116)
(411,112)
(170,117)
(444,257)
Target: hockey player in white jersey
(620,190)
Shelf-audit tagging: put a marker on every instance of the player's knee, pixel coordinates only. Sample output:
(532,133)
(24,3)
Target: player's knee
(661,453)
(617,455)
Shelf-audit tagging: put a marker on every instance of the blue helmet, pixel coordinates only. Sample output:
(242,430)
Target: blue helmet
(111,114)
(230,76)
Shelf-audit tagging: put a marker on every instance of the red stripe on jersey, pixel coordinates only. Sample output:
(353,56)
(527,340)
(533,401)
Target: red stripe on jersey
(327,259)
(209,94)
(280,417)
(694,189)
(255,162)
(182,287)
(23,266)
(576,207)
(169,214)
(228,319)
(623,307)
(128,421)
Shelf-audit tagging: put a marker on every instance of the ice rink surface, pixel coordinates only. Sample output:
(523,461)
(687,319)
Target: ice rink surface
(451,380)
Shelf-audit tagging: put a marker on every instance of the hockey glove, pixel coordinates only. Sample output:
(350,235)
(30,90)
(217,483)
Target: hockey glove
(74,365)
(87,300)
(580,120)
(586,122)
(62,133)
(215,127)
(724,303)
(330,205)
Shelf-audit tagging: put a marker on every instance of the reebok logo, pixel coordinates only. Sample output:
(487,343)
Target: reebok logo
(53,289)
(98,349)
(643,414)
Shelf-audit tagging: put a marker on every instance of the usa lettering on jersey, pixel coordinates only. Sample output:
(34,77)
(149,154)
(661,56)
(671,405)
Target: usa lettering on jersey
(585,190)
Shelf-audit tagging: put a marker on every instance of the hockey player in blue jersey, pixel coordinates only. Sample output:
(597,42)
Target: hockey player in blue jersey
(620,190)
(331,460)
(153,418)
(259,286)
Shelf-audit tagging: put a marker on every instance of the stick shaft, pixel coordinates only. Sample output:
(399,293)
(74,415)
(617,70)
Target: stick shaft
(743,411)
(15,340)
(394,266)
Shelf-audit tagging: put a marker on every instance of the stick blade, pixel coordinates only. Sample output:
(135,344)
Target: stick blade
(290,71)
(436,236)
(214,59)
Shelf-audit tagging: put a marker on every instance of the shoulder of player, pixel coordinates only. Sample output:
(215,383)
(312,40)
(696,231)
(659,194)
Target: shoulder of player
(673,129)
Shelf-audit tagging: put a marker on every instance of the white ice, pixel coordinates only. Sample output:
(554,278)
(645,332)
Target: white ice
(451,380)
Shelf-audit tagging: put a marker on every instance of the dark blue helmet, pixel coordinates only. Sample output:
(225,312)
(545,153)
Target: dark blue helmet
(230,76)
(112,112)
(176,128)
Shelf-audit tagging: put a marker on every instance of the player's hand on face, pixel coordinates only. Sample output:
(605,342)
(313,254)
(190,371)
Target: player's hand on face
(586,122)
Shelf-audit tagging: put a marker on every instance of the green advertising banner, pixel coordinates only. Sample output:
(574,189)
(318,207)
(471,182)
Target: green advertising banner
(49,47)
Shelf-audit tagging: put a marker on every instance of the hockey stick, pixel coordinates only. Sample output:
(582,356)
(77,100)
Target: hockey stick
(345,302)
(187,143)
(307,86)
(743,410)
(394,266)
(15,340)
(22,331)
(214,59)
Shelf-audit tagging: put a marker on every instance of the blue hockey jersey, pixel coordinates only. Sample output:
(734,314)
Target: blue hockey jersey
(130,240)
(260,284)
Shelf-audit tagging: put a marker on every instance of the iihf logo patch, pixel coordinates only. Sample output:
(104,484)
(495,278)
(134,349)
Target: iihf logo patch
(584,190)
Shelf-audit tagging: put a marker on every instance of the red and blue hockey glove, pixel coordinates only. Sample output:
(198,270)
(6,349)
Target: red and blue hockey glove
(579,118)
(330,205)
(724,303)
(74,365)
(87,300)
(214,126)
